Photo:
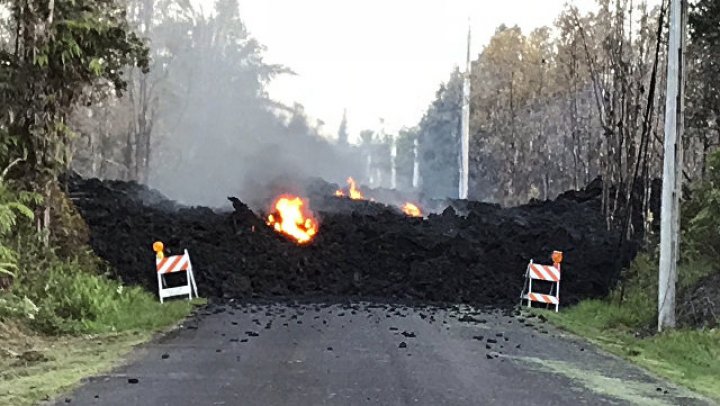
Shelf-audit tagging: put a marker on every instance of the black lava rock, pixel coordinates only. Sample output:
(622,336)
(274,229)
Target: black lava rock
(478,257)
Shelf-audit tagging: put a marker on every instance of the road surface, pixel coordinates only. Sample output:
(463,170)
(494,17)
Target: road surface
(364,354)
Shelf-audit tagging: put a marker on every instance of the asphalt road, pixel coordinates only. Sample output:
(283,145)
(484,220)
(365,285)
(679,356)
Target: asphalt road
(362,354)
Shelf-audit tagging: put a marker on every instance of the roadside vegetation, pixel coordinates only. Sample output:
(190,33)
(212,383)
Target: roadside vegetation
(625,323)
(60,318)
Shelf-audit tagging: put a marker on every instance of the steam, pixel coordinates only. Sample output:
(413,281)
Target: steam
(216,133)
(253,167)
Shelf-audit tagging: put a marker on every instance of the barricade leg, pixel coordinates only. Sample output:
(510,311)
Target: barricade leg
(189,275)
(529,293)
(192,280)
(557,295)
(159,277)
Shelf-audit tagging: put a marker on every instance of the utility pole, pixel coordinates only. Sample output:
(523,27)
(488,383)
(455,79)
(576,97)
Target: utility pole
(393,160)
(672,166)
(465,130)
(416,165)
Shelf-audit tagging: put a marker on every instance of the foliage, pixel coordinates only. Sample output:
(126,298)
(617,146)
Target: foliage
(202,112)
(12,206)
(405,160)
(439,140)
(72,298)
(73,301)
(16,307)
(342,130)
(551,112)
(702,214)
(703,89)
(57,294)
(57,54)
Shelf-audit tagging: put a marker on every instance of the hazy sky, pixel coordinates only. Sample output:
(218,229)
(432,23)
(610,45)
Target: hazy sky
(378,58)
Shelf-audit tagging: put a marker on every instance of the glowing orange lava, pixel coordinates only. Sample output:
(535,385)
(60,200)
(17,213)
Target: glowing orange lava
(411,210)
(290,216)
(353,191)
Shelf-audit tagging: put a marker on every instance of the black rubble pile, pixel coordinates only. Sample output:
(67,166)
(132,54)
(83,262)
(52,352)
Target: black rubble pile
(363,249)
(699,305)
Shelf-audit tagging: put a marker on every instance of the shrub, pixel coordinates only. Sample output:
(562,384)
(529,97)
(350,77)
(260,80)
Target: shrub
(701,214)
(60,289)
(73,298)
(12,206)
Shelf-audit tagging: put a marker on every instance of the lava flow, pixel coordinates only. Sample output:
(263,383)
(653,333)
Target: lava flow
(411,210)
(291,217)
(353,191)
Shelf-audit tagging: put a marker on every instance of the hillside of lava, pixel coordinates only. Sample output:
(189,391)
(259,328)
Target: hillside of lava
(355,248)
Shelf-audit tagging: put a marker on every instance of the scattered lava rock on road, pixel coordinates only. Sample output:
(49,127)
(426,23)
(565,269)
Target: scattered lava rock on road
(363,249)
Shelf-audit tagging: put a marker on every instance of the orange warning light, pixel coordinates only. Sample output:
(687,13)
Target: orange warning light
(159,247)
(557,257)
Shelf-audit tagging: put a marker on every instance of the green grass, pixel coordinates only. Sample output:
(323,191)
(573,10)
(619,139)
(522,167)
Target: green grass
(72,301)
(64,362)
(58,364)
(61,319)
(63,322)
(627,328)
(37,366)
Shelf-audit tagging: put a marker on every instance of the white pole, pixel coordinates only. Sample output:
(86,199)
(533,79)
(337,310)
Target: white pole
(393,170)
(465,136)
(368,166)
(416,166)
(672,167)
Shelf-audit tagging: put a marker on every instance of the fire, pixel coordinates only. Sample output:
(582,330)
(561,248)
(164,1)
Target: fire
(290,216)
(353,191)
(411,210)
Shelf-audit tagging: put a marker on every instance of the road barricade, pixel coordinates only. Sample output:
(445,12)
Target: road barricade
(168,265)
(547,273)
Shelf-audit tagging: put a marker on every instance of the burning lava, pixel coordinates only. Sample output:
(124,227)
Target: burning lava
(353,191)
(411,210)
(290,216)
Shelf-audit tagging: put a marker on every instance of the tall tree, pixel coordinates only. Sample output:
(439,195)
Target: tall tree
(342,131)
(61,52)
(439,140)
(703,106)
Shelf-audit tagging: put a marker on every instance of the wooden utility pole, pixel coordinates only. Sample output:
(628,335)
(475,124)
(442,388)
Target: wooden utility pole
(416,164)
(464,160)
(672,166)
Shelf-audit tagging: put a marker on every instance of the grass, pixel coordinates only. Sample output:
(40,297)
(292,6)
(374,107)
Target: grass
(38,367)
(627,328)
(63,321)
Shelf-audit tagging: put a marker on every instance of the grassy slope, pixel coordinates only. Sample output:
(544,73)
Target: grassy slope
(685,356)
(37,366)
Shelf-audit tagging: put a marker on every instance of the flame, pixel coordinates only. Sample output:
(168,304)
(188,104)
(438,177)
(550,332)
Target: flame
(353,191)
(291,217)
(411,210)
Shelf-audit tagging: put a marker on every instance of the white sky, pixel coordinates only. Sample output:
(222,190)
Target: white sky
(377,58)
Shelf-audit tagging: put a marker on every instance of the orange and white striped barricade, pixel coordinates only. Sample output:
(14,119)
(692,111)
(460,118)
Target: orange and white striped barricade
(176,263)
(547,273)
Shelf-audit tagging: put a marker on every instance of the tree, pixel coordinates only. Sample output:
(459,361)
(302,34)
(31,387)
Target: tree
(405,160)
(703,95)
(550,113)
(62,53)
(342,131)
(439,140)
